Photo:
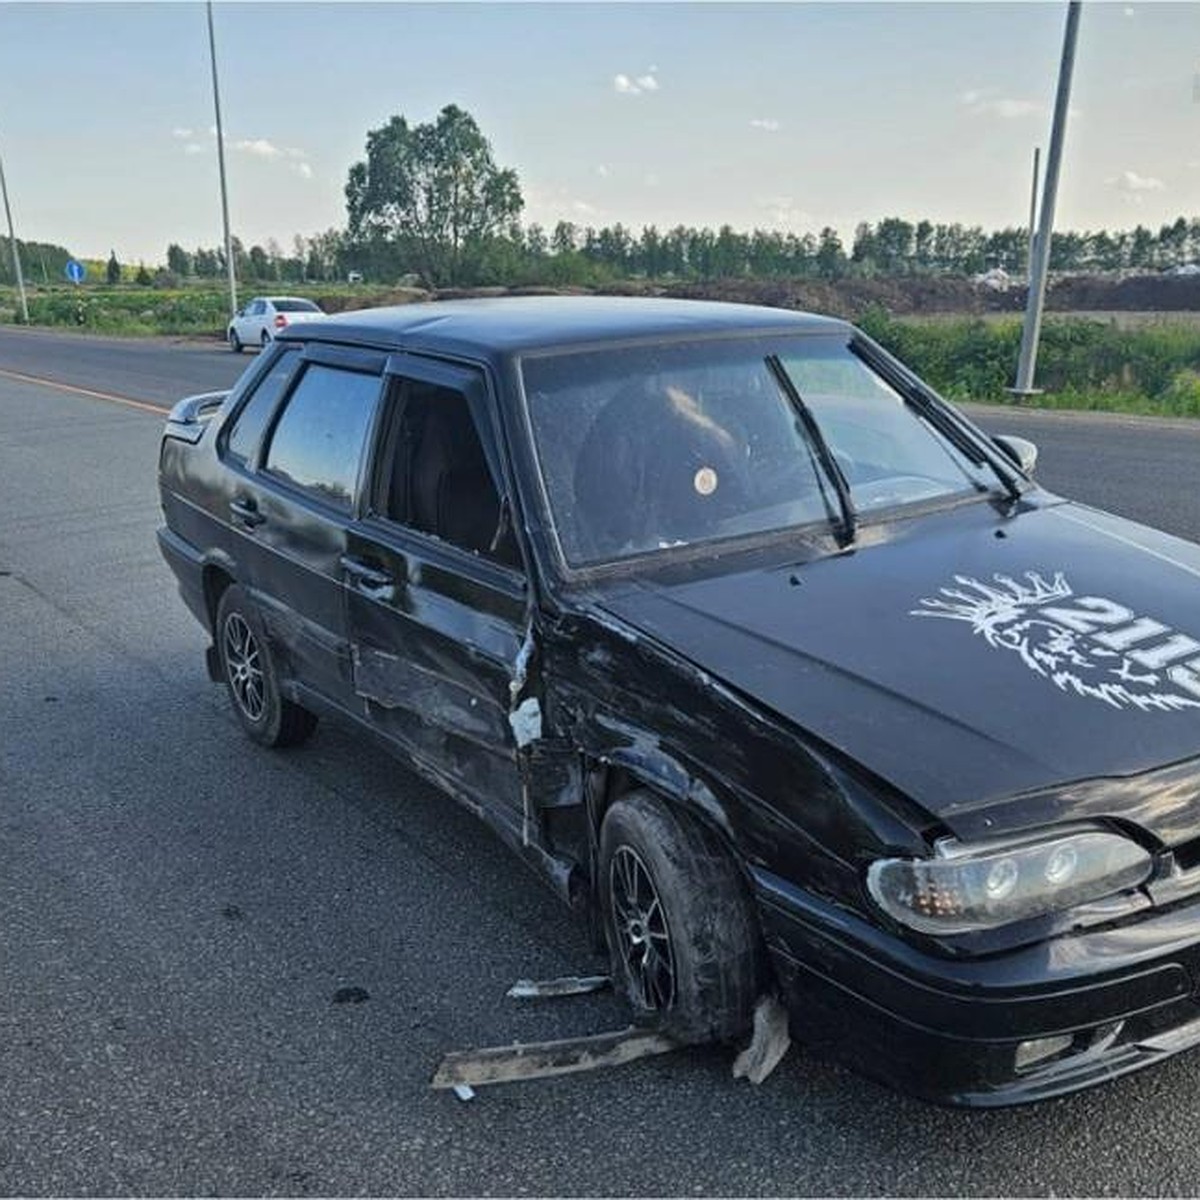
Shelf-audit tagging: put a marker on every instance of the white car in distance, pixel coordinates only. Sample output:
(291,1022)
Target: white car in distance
(264,316)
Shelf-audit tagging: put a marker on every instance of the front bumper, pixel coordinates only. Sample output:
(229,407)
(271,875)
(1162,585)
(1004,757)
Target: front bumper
(948,1029)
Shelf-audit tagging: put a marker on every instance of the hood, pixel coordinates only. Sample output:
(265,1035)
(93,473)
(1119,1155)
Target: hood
(968,659)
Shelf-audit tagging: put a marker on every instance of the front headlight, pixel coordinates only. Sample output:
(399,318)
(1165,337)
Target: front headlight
(965,888)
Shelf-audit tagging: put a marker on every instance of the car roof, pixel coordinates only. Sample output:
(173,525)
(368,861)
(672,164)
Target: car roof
(498,327)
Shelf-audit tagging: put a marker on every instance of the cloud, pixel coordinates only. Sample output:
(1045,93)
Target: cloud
(983,102)
(602,171)
(193,148)
(1133,184)
(259,147)
(1128,11)
(303,170)
(625,86)
(767,124)
(784,211)
(583,208)
(182,134)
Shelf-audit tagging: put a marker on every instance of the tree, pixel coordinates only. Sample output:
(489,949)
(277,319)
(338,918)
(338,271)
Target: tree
(260,265)
(113,271)
(143,277)
(179,262)
(435,188)
(831,258)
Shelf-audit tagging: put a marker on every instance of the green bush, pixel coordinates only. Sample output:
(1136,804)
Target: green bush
(1081,363)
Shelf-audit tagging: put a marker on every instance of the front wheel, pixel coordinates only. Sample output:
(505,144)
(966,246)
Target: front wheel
(681,928)
(266,339)
(251,678)
(235,342)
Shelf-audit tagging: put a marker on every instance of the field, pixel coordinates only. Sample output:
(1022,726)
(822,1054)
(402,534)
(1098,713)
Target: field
(1101,359)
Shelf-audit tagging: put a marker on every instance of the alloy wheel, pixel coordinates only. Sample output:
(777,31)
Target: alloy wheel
(643,939)
(243,665)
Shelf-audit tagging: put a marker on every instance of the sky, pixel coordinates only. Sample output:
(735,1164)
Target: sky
(787,116)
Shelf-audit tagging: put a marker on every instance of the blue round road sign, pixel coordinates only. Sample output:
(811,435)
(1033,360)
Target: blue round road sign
(75,271)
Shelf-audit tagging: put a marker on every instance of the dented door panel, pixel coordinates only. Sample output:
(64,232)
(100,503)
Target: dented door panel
(434,651)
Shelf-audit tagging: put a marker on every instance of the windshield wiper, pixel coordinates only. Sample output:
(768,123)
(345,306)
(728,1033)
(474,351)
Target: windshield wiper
(849,521)
(941,417)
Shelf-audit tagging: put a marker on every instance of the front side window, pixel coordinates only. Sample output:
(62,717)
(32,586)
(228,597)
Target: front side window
(646,448)
(320,437)
(438,480)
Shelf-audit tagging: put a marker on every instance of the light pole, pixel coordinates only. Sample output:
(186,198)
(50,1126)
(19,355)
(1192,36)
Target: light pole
(1037,154)
(12,245)
(1041,252)
(212,49)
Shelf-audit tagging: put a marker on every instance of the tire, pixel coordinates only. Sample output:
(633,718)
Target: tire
(266,339)
(682,931)
(251,678)
(235,342)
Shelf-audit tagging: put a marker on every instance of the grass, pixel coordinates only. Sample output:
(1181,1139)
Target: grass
(202,311)
(1113,362)
(1151,369)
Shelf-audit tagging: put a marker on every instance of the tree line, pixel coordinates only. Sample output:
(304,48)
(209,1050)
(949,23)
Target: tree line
(574,254)
(429,204)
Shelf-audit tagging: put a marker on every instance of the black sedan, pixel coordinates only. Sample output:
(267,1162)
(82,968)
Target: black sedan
(759,651)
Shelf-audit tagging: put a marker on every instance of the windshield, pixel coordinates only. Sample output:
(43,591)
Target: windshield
(646,448)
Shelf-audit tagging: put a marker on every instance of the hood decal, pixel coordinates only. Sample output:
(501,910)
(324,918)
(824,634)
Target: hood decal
(1086,646)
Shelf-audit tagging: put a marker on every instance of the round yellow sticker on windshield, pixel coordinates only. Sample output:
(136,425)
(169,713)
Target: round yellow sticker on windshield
(705,481)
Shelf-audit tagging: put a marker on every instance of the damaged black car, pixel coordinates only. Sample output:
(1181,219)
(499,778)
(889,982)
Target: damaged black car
(769,660)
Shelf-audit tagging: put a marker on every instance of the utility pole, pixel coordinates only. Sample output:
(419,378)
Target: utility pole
(212,49)
(12,245)
(1037,154)
(1041,256)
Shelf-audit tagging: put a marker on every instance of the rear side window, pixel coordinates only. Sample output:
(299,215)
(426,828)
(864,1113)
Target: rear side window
(295,306)
(242,441)
(319,438)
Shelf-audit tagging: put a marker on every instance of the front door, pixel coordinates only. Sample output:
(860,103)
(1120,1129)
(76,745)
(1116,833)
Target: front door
(438,606)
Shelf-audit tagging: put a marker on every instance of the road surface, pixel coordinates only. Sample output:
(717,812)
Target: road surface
(185,918)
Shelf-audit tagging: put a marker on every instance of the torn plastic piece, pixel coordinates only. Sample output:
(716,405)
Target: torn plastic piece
(526,721)
(464,1091)
(768,1044)
(541,1060)
(545,989)
(521,666)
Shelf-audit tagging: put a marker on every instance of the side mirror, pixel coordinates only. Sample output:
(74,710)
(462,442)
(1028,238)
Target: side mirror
(1022,451)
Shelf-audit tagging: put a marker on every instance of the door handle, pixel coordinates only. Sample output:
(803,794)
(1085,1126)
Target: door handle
(364,574)
(247,512)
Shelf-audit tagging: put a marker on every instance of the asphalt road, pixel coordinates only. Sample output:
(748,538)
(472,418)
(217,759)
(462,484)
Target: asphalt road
(180,912)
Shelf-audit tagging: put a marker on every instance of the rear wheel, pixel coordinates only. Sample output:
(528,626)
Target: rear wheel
(235,342)
(251,678)
(681,928)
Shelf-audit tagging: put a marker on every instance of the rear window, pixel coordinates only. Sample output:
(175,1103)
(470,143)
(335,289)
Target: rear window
(295,306)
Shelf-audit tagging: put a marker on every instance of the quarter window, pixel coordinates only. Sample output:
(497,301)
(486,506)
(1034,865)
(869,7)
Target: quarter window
(246,433)
(319,438)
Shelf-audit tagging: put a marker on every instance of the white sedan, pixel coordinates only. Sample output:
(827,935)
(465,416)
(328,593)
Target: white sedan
(258,322)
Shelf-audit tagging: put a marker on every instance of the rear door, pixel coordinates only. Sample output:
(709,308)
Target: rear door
(292,510)
(437,594)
